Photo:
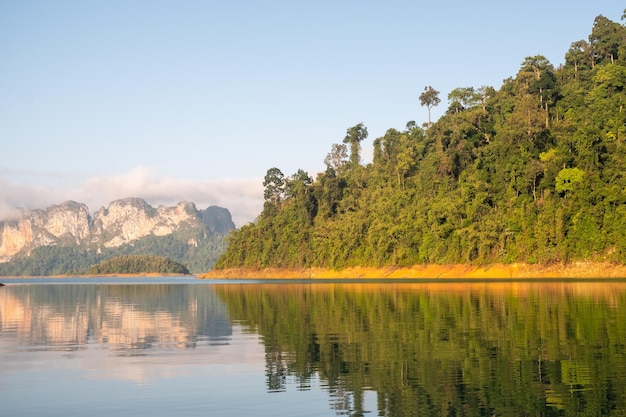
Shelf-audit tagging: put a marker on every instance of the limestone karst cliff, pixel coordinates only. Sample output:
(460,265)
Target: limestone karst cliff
(132,218)
(58,224)
(122,222)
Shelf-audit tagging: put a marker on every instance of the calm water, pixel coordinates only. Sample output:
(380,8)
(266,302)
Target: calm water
(176,346)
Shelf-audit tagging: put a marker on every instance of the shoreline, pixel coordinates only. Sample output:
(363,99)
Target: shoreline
(598,270)
(582,269)
(140,275)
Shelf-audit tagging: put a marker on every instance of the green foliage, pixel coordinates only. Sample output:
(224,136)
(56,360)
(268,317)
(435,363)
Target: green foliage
(274,184)
(137,264)
(533,172)
(354,136)
(567,178)
(51,260)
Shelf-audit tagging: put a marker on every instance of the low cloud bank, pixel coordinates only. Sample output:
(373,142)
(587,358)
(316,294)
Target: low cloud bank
(242,197)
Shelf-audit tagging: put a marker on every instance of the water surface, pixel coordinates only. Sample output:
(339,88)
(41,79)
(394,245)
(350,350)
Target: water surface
(191,347)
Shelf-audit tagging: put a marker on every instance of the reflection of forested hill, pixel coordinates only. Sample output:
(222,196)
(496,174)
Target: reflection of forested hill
(124,316)
(473,350)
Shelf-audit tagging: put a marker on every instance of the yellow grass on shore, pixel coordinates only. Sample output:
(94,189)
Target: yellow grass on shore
(572,270)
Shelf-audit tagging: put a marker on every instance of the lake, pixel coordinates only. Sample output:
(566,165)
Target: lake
(180,346)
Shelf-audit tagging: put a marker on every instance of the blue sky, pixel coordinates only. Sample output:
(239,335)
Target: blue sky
(196,100)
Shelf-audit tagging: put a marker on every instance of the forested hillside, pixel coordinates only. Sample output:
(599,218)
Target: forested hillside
(533,172)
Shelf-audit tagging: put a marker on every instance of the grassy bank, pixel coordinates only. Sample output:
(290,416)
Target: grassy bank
(573,270)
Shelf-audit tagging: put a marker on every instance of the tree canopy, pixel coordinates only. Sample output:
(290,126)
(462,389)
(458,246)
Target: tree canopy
(138,264)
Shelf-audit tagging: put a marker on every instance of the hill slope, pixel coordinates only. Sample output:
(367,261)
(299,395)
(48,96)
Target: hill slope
(532,173)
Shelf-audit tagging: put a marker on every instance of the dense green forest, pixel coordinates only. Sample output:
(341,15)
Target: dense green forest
(532,172)
(137,264)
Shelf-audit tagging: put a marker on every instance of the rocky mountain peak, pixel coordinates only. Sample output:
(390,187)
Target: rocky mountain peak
(123,221)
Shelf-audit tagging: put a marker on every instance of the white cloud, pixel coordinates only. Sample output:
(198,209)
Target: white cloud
(243,197)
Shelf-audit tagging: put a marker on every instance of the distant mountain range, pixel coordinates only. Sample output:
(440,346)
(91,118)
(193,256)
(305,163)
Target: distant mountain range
(66,239)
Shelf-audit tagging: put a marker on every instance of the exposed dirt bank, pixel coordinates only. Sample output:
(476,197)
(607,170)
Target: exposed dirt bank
(573,270)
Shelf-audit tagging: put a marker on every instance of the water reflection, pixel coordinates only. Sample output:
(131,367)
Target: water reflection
(120,317)
(393,349)
(445,349)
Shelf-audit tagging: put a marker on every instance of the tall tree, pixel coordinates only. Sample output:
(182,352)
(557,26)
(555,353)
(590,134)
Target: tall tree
(354,136)
(605,38)
(429,98)
(336,158)
(274,184)
(462,98)
(297,184)
(578,53)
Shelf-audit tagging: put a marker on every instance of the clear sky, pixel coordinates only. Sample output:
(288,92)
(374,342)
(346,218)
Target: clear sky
(196,99)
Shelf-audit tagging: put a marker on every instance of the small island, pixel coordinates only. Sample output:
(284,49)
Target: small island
(138,265)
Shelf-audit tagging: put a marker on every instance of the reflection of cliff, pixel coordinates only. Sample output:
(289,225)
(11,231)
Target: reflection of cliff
(124,317)
(471,349)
